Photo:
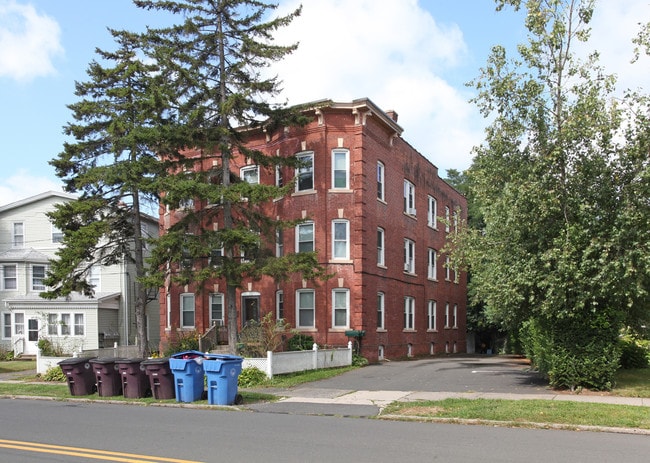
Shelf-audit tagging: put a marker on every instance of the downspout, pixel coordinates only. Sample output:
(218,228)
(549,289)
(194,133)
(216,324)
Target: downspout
(125,290)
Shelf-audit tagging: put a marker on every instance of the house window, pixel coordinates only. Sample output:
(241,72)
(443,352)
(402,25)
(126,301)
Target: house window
(409,198)
(186,204)
(279,305)
(447,315)
(381,172)
(9,277)
(381,260)
(305,172)
(38,275)
(250,174)
(305,308)
(340,169)
(380,311)
(216,309)
(455,219)
(432,273)
(340,239)
(57,235)
(6,325)
(187,310)
(305,237)
(340,308)
(19,323)
(432,212)
(216,257)
(279,178)
(279,242)
(447,217)
(447,268)
(168,301)
(52,324)
(79,325)
(454,318)
(431,315)
(65,324)
(94,277)
(409,312)
(409,256)
(18,235)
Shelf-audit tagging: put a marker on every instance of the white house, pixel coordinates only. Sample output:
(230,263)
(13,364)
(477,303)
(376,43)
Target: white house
(28,241)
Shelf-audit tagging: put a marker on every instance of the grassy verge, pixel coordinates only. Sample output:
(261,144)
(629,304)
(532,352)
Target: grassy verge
(14,366)
(524,412)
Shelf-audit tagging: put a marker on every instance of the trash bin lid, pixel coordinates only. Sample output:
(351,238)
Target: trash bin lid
(129,360)
(75,360)
(156,361)
(188,354)
(105,360)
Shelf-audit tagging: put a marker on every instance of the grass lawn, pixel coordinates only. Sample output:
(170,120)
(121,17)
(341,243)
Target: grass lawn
(17,365)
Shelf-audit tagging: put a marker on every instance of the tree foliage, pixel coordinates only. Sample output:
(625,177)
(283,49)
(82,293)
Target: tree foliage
(561,183)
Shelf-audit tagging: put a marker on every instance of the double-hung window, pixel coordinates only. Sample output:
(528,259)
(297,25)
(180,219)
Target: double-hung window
(57,235)
(216,309)
(454,318)
(52,324)
(305,237)
(38,275)
(340,239)
(305,308)
(187,310)
(79,324)
(340,308)
(409,313)
(447,315)
(279,305)
(279,242)
(409,198)
(18,235)
(9,277)
(432,272)
(250,174)
(341,169)
(380,310)
(6,325)
(305,171)
(381,255)
(432,212)
(381,173)
(409,256)
(447,268)
(94,277)
(447,218)
(431,315)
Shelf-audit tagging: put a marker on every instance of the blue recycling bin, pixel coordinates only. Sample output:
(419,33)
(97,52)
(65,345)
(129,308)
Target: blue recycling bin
(222,373)
(187,368)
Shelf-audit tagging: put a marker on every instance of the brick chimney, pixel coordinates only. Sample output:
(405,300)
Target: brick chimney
(392,114)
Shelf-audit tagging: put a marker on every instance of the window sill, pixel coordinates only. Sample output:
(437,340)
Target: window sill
(411,216)
(383,201)
(409,330)
(340,261)
(340,190)
(304,193)
(432,331)
(382,330)
(411,274)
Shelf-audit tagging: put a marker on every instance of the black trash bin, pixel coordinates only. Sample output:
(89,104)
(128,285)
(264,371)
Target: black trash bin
(135,383)
(107,375)
(79,374)
(161,378)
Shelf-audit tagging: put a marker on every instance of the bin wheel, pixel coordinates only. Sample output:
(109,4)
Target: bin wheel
(239,399)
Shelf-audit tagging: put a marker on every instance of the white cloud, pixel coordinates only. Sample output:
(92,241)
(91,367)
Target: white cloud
(28,42)
(22,185)
(392,52)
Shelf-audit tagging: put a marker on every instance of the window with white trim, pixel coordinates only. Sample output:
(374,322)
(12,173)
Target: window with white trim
(52,324)
(279,177)
(409,198)
(432,264)
(38,275)
(19,323)
(341,169)
(305,172)
(168,301)
(216,309)
(65,324)
(305,237)
(447,218)
(94,277)
(57,235)
(432,212)
(381,253)
(305,308)
(340,308)
(409,256)
(340,239)
(250,174)
(409,313)
(381,173)
(447,315)
(431,315)
(380,310)
(6,325)
(454,318)
(279,242)
(279,305)
(447,268)
(9,277)
(79,324)
(18,235)
(187,310)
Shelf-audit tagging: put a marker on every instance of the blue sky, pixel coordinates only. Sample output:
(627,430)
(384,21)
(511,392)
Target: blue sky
(411,56)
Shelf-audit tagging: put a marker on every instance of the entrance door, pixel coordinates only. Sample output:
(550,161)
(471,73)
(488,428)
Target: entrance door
(31,346)
(250,309)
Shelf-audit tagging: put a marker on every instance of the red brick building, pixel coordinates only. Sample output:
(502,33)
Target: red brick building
(377,214)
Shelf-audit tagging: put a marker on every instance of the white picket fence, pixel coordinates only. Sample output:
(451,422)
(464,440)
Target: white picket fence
(277,363)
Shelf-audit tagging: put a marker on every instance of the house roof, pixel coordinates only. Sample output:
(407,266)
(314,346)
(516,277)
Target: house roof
(24,255)
(36,198)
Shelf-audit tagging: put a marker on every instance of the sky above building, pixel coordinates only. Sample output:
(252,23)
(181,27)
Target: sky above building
(411,56)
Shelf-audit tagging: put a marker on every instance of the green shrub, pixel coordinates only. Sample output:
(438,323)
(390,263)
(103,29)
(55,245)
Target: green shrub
(184,342)
(634,353)
(359,361)
(53,374)
(300,342)
(251,377)
(6,354)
